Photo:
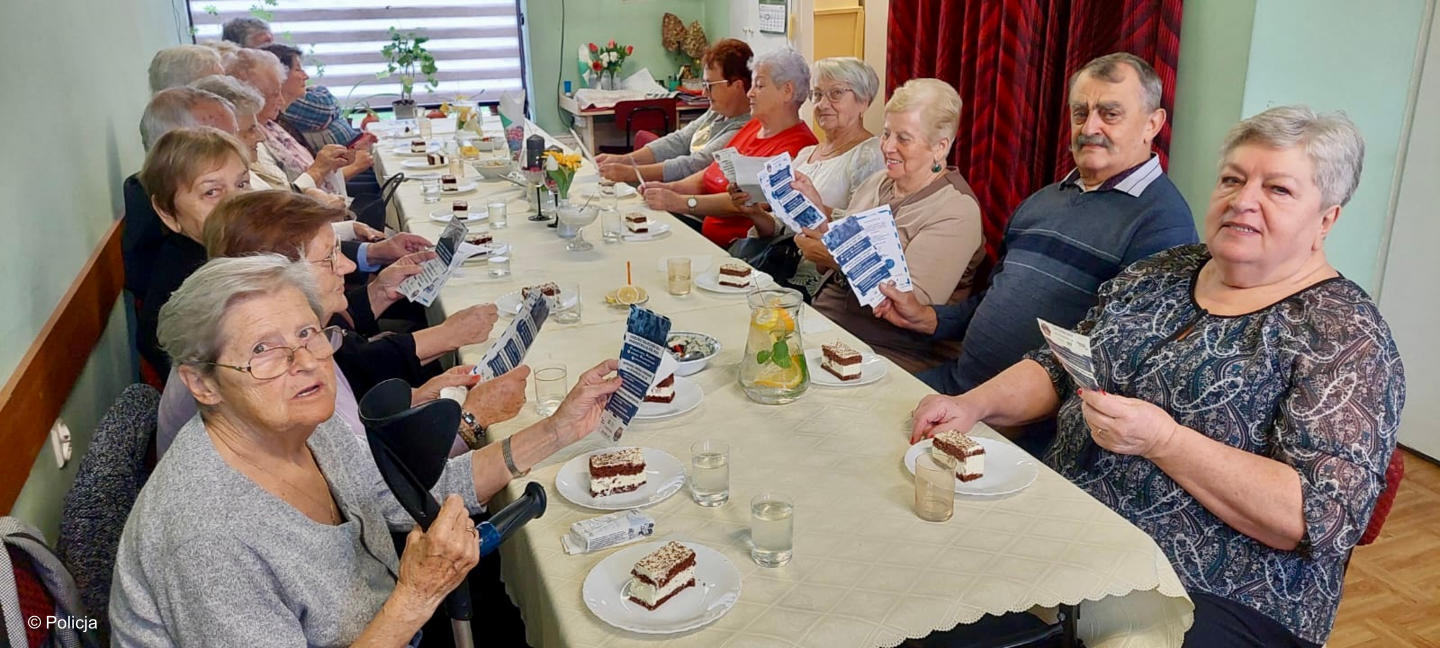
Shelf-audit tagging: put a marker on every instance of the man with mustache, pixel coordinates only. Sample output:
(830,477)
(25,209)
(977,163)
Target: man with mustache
(1062,242)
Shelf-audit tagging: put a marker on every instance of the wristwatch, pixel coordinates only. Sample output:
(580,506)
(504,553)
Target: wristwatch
(471,431)
(691,203)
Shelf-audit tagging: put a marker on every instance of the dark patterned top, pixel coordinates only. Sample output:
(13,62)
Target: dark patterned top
(1314,381)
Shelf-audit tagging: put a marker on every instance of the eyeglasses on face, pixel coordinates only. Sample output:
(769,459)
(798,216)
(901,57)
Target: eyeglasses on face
(270,363)
(833,94)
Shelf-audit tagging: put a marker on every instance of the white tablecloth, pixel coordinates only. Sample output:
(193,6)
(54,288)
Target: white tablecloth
(866,570)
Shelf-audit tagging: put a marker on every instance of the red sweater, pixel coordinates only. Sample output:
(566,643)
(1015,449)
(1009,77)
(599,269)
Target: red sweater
(724,231)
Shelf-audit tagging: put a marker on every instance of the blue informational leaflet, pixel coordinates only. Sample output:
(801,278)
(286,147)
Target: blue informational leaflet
(508,351)
(423,288)
(645,335)
(789,205)
(867,248)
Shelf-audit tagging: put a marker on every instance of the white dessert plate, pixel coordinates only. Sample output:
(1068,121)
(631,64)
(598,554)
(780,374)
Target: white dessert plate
(658,230)
(460,188)
(469,251)
(664,475)
(711,281)
(444,216)
(511,302)
(606,592)
(698,263)
(687,397)
(419,163)
(1008,469)
(404,151)
(622,190)
(872,368)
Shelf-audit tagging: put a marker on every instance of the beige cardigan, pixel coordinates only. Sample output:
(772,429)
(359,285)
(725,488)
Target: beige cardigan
(941,234)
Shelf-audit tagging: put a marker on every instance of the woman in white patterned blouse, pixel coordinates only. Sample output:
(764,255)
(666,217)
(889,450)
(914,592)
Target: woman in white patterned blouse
(1248,395)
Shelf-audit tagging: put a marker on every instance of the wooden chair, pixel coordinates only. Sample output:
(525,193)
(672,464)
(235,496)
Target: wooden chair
(659,116)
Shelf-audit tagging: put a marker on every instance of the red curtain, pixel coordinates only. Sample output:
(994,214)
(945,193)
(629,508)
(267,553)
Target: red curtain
(1010,60)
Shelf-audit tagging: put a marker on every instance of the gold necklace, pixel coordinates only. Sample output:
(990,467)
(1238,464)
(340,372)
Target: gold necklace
(331,509)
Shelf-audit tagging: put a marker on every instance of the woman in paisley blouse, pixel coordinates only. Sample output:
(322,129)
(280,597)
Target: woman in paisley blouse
(1248,393)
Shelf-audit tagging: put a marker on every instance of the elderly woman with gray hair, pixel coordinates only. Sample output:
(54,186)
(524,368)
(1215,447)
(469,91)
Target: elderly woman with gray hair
(181,64)
(780,85)
(1246,394)
(935,215)
(267,523)
(264,71)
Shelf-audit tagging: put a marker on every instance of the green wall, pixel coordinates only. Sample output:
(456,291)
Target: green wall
(1209,92)
(77,72)
(634,22)
(1239,57)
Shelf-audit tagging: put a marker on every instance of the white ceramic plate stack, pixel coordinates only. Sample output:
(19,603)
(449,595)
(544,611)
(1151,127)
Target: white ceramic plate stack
(872,368)
(664,476)
(716,589)
(1008,469)
(687,397)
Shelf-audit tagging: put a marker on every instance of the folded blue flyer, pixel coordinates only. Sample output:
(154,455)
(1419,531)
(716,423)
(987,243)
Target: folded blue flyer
(645,334)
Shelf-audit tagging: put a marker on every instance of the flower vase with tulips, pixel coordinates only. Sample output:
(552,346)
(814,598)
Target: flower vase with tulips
(561,168)
(606,61)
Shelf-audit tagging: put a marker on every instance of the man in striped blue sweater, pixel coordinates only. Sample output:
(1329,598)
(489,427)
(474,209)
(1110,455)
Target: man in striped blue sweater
(1062,242)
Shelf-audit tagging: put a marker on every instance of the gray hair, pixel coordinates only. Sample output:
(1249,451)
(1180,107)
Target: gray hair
(938,102)
(1335,147)
(1104,68)
(247,64)
(175,108)
(851,71)
(179,65)
(189,326)
(785,65)
(243,96)
(239,30)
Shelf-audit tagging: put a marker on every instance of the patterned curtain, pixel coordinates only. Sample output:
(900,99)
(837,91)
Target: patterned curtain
(1010,60)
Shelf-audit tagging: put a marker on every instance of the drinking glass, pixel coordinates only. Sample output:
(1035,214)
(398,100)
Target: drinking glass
(710,472)
(611,224)
(566,308)
(498,266)
(430,189)
(423,124)
(934,486)
(772,529)
(550,387)
(499,212)
(677,275)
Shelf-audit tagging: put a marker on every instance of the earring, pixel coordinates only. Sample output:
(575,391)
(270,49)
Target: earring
(935,168)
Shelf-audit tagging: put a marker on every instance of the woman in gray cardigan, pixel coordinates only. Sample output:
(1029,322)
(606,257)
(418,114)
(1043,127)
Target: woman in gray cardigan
(267,522)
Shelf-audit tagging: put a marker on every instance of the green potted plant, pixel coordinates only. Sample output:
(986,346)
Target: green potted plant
(406,57)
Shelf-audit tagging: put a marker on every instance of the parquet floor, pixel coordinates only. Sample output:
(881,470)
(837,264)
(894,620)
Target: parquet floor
(1392,590)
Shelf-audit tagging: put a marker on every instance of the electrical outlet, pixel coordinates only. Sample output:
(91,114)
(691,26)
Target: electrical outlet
(60,443)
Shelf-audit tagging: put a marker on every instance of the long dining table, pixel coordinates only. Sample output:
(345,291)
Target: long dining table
(866,570)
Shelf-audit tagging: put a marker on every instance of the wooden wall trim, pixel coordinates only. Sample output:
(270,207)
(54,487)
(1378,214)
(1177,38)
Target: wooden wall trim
(41,383)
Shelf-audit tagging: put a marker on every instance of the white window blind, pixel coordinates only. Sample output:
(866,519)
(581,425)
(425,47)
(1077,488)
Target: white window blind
(476,43)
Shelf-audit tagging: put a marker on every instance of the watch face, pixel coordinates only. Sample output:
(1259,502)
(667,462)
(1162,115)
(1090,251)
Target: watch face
(691,202)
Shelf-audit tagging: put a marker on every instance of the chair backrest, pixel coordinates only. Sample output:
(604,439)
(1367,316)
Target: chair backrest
(34,584)
(659,116)
(107,481)
(1394,473)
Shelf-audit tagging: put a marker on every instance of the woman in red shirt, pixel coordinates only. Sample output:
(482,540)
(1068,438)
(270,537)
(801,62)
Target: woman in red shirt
(781,84)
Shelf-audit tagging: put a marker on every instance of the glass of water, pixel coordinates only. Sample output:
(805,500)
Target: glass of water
(430,189)
(499,214)
(710,472)
(498,266)
(423,124)
(611,224)
(677,275)
(772,529)
(550,387)
(565,309)
(934,486)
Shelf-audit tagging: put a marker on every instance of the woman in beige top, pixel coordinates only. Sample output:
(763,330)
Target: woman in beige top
(935,214)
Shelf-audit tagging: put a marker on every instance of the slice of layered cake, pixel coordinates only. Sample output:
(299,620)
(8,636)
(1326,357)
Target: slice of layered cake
(435,159)
(461,209)
(662,388)
(418,146)
(841,360)
(734,275)
(659,576)
(619,471)
(449,183)
(969,455)
(548,289)
(637,223)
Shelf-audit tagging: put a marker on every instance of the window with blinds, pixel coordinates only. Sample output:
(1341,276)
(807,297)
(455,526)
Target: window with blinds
(476,43)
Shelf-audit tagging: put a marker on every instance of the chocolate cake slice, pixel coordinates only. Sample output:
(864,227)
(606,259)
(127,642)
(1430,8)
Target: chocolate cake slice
(968,453)
(620,471)
(841,361)
(661,575)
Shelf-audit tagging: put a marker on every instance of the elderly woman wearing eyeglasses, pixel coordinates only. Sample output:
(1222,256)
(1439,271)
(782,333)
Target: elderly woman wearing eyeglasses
(780,86)
(690,149)
(267,523)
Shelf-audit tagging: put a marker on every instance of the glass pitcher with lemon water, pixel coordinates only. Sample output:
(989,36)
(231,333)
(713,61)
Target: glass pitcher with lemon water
(773,369)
